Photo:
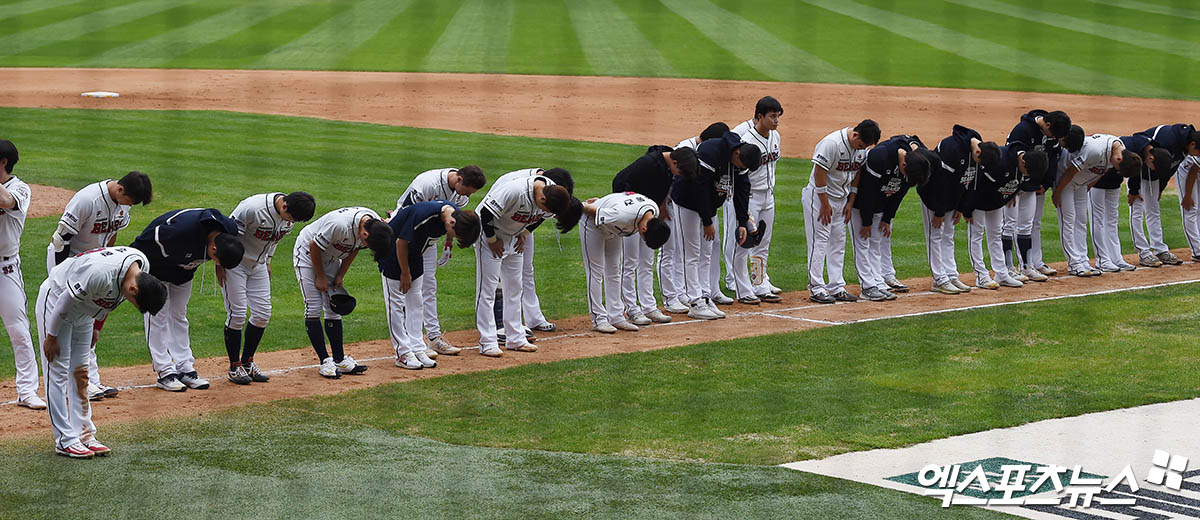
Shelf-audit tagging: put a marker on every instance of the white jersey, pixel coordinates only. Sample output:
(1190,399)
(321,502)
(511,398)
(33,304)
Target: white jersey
(12,220)
(617,214)
(94,280)
(336,233)
(93,217)
(260,228)
(764,177)
(840,161)
(1093,159)
(432,185)
(511,203)
(519,174)
(691,142)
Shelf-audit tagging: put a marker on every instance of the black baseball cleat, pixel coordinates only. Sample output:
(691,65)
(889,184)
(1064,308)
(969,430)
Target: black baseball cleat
(821,298)
(845,296)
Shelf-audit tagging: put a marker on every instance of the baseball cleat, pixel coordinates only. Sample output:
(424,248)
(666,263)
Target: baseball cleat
(820,297)
(522,347)
(32,402)
(329,369)
(1008,281)
(749,300)
(97,449)
(108,390)
(194,381)
(170,383)
(774,290)
(409,361)
(769,297)
(94,393)
(986,282)
(255,374)
(441,346)
(1170,259)
(1149,260)
(895,286)
(712,306)
(1110,268)
(719,298)
(657,316)
(626,326)
(1195,257)
(844,296)
(238,376)
(875,294)
(1033,275)
(424,359)
(1016,275)
(1047,270)
(1083,273)
(1096,272)
(492,351)
(430,352)
(604,328)
(946,288)
(349,366)
(75,451)
(1126,266)
(675,307)
(640,320)
(962,287)
(545,327)
(700,311)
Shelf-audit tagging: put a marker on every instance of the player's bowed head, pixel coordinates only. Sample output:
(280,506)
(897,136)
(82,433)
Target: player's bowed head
(916,165)
(226,249)
(462,225)
(298,206)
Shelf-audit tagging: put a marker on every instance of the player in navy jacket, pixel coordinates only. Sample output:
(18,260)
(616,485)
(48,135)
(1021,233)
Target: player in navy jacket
(961,154)
(1163,149)
(983,205)
(1037,130)
(176,243)
(892,167)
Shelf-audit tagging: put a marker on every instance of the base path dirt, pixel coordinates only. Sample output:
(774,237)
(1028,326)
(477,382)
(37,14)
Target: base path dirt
(294,373)
(638,111)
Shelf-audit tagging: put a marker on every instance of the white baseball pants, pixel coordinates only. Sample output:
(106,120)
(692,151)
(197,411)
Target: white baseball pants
(315,302)
(670,259)
(1008,228)
(1106,239)
(93,366)
(508,273)
(167,333)
(697,257)
(16,322)
(247,288)
(1030,208)
(602,264)
(872,256)
(637,275)
(761,208)
(939,246)
(405,314)
(433,327)
(714,255)
(1072,226)
(989,223)
(66,377)
(1147,210)
(826,243)
(531,306)
(1190,217)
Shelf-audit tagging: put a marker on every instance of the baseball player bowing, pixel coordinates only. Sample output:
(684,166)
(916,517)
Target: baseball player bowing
(454,185)
(506,213)
(606,222)
(79,291)
(417,229)
(1185,180)
(1105,200)
(262,221)
(321,257)
(891,168)
(1170,146)
(15,197)
(828,202)
(961,155)
(90,220)
(722,174)
(1004,169)
(1100,153)
(176,243)
(1037,130)
(651,176)
(670,262)
(740,262)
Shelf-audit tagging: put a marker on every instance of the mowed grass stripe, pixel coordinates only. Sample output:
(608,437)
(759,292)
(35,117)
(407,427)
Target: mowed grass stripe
(475,40)
(403,43)
(1138,5)
(545,40)
(161,49)
(760,49)
(1070,77)
(240,50)
(612,43)
(1146,40)
(330,42)
(700,58)
(16,9)
(24,41)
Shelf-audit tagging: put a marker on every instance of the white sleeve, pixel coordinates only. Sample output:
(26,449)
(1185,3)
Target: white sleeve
(76,215)
(23,195)
(825,155)
(124,223)
(327,234)
(502,199)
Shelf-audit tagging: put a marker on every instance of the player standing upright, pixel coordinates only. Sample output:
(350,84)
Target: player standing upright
(755,283)
(1100,152)
(262,221)
(15,198)
(92,219)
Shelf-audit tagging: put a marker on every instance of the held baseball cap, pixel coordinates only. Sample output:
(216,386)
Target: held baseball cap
(341,302)
(753,239)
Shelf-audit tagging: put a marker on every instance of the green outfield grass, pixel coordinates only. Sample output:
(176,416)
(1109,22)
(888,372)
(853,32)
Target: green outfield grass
(216,159)
(1120,47)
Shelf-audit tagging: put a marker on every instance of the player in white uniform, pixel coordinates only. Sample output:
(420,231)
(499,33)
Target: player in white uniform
(262,221)
(828,204)
(14,202)
(606,221)
(451,185)
(92,219)
(79,291)
(748,267)
(1189,189)
(323,253)
(507,212)
(670,260)
(1100,152)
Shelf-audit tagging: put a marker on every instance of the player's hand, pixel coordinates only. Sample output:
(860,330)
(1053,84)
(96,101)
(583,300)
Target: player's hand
(268,270)
(1012,203)
(220,275)
(847,212)
(497,248)
(50,347)
(1041,190)
(957,217)
(937,221)
(447,252)
(865,232)
(592,200)
(1133,197)
(825,214)
(1057,199)
(885,229)
(519,245)
(741,235)
(710,232)
(322,283)
(405,281)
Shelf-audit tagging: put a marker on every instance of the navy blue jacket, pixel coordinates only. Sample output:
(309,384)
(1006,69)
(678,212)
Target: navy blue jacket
(949,180)
(715,179)
(649,175)
(420,225)
(176,242)
(992,190)
(1172,137)
(881,186)
(1026,136)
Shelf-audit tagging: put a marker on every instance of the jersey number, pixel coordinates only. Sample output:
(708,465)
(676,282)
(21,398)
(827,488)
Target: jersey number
(8,269)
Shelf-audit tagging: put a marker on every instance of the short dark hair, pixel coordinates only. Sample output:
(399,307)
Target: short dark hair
(8,150)
(1036,163)
(1060,123)
(685,160)
(750,156)
(151,293)
(766,105)
(714,131)
(657,233)
(989,156)
(229,250)
(137,186)
(300,205)
(472,176)
(1131,163)
(1162,163)
(1074,139)
(868,131)
(1193,138)
(566,220)
(379,239)
(917,166)
(466,227)
(561,177)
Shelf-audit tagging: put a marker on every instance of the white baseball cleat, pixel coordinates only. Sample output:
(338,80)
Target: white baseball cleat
(492,351)
(408,361)
(604,327)
(96,448)
(962,287)
(626,326)
(657,316)
(986,282)
(1008,281)
(75,451)
(170,383)
(719,298)
(94,392)
(773,289)
(1047,270)
(424,359)
(700,311)
(329,369)
(639,319)
(441,346)
(32,402)
(1016,275)
(712,306)
(194,381)
(1126,266)
(1034,275)
(675,307)
(350,366)
(946,288)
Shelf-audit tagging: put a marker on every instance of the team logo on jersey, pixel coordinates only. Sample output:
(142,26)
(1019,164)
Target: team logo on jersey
(270,235)
(104,226)
(106,303)
(893,186)
(846,165)
(191,266)
(1009,187)
(770,157)
(523,218)
(968,176)
(1098,170)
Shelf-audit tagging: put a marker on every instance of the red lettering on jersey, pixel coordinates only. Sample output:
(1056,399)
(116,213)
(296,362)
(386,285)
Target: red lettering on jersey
(103,226)
(523,218)
(342,248)
(105,304)
(269,236)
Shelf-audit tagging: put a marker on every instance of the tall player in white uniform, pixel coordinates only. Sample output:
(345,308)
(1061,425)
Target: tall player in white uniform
(1100,152)
(262,221)
(828,202)
(451,185)
(754,283)
(79,291)
(14,202)
(606,221)
(92,219)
